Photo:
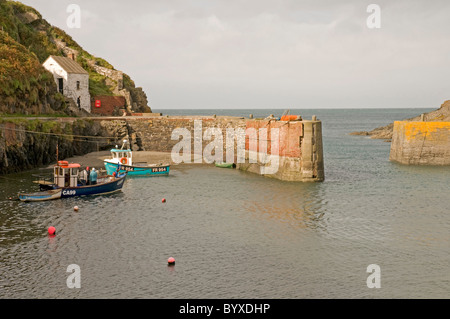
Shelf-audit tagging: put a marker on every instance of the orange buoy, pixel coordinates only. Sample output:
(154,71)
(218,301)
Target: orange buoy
(75,208)
(171,261)
(51,230)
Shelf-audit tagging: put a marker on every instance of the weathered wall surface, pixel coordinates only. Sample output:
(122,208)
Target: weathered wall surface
(298,153)
(312,151)
(70,88)
(20,149)
(109,105)
(421,143)
(155,134)
(289,132)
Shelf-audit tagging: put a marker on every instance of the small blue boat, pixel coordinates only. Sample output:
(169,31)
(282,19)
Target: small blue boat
(122,161)
(66,179)
(41,196)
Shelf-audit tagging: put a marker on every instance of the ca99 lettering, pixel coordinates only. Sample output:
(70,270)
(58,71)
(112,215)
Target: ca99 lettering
(69,192)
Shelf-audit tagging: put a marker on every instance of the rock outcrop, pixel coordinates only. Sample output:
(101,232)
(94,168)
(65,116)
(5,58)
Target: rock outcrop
(385,132)
(27,143)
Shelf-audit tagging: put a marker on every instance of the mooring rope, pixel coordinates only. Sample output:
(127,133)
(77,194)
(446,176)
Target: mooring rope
(54,134)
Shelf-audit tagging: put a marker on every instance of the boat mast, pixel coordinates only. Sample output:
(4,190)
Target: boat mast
(123,144)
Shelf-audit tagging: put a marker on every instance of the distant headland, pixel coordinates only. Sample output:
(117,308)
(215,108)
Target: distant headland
(421,140)
(385,132)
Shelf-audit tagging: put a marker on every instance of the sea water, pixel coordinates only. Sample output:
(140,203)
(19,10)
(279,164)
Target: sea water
(240,235)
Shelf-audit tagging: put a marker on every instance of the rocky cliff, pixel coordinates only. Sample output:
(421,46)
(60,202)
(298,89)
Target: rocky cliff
(30,143)
(26,143)
(26,41)
(385,132)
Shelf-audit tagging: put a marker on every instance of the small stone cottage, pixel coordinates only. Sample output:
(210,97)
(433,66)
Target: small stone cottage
(71,79)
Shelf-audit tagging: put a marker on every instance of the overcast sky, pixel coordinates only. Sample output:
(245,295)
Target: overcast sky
(269,54)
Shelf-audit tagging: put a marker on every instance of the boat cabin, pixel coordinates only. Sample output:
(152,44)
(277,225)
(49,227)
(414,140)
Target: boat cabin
(65,174)
(124,157)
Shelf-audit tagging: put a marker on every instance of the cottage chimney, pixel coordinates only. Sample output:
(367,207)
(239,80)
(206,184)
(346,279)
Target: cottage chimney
(72,56)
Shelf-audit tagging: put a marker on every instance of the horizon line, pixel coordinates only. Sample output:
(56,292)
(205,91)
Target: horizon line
(312,108)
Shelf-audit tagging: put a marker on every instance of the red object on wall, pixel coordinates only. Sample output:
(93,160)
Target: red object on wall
(107,104)
(290,118)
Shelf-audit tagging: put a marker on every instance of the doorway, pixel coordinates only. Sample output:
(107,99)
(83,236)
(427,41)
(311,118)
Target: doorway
(61,85)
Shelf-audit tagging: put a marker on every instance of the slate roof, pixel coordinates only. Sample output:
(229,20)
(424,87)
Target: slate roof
(69,65)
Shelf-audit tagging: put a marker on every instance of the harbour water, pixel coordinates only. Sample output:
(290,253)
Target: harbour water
(239,235)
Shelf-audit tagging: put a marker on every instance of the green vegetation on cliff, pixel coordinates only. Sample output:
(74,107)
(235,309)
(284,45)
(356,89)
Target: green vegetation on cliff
(26,41)
(25,86)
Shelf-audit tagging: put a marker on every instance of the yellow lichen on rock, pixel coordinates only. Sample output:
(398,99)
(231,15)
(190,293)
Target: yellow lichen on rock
(425,130)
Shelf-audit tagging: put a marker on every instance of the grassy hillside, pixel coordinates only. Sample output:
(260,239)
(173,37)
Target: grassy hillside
(25,86)
(26,41)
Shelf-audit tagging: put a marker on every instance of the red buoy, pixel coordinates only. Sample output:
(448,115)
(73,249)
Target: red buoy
(163,200)
(171,261)
(51,230)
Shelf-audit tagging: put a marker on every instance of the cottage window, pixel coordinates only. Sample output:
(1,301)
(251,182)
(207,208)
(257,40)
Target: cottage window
(78,85)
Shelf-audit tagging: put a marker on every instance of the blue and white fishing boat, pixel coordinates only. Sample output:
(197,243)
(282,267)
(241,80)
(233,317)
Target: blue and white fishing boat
(40,196)
(122,160)
(66,179)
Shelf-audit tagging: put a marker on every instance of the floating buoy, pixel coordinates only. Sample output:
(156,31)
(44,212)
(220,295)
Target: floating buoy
(163,200)
(171,261)
(51,230)
(75,208)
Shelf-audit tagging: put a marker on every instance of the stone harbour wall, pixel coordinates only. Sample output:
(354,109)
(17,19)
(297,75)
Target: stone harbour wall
(155,133)
(248,143)
(421,143)
(299,153)
(297,157)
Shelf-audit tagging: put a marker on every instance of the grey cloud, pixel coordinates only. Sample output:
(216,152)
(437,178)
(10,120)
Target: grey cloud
(208,54)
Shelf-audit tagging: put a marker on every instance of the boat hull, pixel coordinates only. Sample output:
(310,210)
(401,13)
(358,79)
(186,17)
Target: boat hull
(98,189)
(137,170)
(41,196)
(225,165)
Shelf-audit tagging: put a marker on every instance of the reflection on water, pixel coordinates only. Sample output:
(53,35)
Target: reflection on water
(238,235)
(297,205)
